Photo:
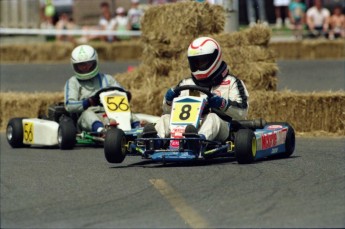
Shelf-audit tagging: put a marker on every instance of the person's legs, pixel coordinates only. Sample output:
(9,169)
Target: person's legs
(89,121)
(251,12)
(279,20)
(163,126)
(214,128)
(299,31)
(262,11)
(286,16)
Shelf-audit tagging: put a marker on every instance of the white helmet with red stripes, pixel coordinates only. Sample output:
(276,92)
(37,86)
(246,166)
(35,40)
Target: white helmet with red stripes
(205,57)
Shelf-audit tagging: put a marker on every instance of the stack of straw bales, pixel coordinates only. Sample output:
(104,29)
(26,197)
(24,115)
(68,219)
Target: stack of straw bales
(249,56)
(32,105)
(61,52)
(310,49)
(167,31)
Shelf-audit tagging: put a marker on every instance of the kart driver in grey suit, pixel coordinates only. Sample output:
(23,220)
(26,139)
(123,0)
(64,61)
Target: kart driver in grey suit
(81,87)
(208,70)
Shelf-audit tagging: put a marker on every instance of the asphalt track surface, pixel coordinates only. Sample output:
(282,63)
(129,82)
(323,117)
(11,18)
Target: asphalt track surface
(50,188)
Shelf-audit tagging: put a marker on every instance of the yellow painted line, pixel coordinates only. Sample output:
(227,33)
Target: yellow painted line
(189,214)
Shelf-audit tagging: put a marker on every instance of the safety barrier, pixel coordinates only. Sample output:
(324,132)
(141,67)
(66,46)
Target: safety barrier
(80,32)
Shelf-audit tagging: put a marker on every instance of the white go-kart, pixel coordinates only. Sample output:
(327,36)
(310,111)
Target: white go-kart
(59,128)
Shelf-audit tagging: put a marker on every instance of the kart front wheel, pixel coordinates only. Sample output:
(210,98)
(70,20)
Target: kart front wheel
(245,146)
(15,133)
(67,134)
(115,145)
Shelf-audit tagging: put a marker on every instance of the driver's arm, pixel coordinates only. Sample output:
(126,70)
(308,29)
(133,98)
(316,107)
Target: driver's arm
(71,97)
(237,106)
(167,106)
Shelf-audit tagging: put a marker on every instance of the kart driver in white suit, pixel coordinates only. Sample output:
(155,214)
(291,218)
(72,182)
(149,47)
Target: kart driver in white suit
(209,71)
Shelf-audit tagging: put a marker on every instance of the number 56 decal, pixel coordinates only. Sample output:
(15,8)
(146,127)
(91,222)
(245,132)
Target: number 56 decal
(117,104)
(28,132)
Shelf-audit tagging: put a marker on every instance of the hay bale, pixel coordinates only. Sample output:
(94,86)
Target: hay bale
(307,112)
(34,52)
(169,28)
(321,112)
(57,51)
(309,49)
(31,105)
(164,60)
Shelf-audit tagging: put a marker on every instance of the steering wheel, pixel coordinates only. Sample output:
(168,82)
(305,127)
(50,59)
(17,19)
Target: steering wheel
(219,112)
(111,88)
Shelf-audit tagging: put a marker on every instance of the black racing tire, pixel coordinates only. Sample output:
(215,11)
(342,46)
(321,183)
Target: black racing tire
(15,133)
(115,145)
(245,146)
(67,134)
(290,141)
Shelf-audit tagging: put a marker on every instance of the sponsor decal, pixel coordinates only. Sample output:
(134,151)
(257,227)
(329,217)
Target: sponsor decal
(176,133)
(225,82)
(268,140)
(273,139)
(273,127)
(274,150)
(281,136)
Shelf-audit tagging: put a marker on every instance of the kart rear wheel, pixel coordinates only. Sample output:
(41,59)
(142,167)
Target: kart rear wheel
(115,145)
(289,141)
(245,146)
(67,134)
(14,132)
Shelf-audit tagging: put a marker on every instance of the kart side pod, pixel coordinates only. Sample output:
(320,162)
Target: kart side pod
(32,131)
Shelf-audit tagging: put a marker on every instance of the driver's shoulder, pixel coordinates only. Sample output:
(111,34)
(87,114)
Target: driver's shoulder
(104,75)
(73,80)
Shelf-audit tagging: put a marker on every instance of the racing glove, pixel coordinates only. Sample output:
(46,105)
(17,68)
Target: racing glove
(217,102)
(94,100)
(91,101)
(170,95)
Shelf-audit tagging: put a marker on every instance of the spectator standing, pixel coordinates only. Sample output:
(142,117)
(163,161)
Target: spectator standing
(318,20)
(337,23)
(65,23)
(121,23)
(48,13)
(281,11)
(297,17)
(106,22)
(260,5)
(134,15)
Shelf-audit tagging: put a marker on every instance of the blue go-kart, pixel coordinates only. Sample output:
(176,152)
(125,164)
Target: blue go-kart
(248,141)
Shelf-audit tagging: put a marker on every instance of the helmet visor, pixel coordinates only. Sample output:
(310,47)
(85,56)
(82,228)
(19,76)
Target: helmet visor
(202,62)
(85,67)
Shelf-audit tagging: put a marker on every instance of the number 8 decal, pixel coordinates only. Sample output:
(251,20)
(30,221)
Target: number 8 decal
(185,112)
